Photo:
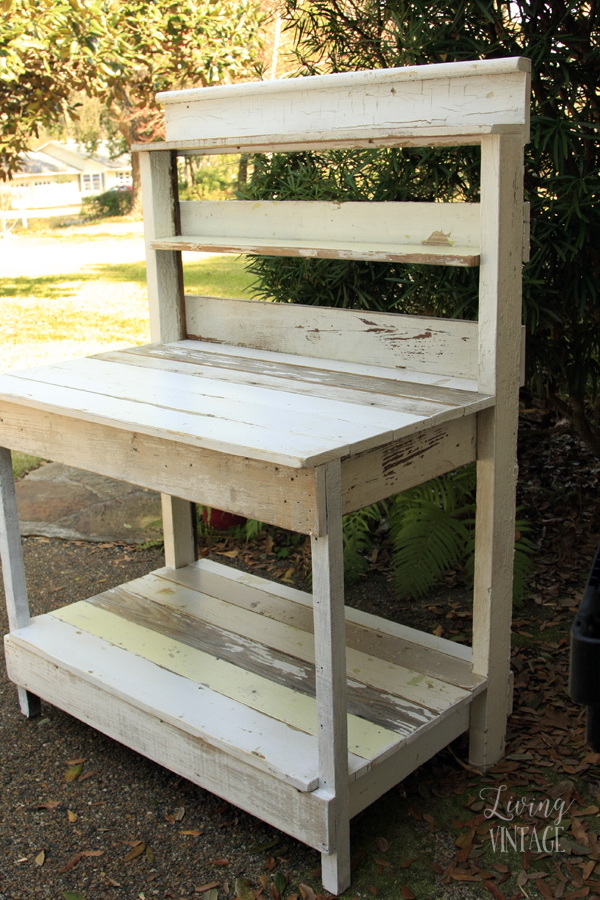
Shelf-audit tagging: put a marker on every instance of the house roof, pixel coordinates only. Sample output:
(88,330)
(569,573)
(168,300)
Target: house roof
(73,154)
(39,163)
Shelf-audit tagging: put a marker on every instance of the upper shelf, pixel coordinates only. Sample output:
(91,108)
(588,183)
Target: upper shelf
(431,103)
(444,234)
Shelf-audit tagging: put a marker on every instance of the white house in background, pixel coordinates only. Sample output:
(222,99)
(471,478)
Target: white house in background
(62,173)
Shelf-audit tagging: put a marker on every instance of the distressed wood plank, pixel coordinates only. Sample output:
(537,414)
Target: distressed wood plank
(378,474)
(390,677)
(407,253)
(499,368)
(279,495)
(225,362)
(258,693)
(365,223)
(439,346)
(458,95)
(171,720)
(387,640)
(13,570)
(144,602)
(164,272)
(333,733)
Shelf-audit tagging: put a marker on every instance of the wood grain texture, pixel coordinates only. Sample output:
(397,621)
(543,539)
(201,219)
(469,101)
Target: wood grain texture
(279,495)
(391,677)
(405,253)
(439,346)
(167,320)
(460,96)
(330,668)
(500,329)
(166,613)
(427,653)
(13,570)
(148,710)
(255,691)
(377,474)
(363,224)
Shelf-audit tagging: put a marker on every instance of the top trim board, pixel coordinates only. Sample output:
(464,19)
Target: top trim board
(461,96)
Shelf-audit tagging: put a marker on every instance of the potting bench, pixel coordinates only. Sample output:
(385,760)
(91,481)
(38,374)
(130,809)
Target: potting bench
(286,704)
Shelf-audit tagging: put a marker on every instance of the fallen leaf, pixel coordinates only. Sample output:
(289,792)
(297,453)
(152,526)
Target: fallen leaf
(70,864)
(40,858)
(500,867)
(230,553)
(491,887)
(522,878)
(179,813)
(430,821)
(373,891)
(243,889)
(71,816)
(407,893)
(307,892)
(406,863)
(150,854)
(264,881)
(275,895)
(463,876)
(260,848)
(384,862)
(92,852)
(76,762)
(213,894)
(221,861)
(194,832)
(438,630)
(170,819)
(588,811)
(382,845)
(74,772)
(465,839)
(113,882)
(49,804)
(137,851)
(86,776)
(270,864)
(436,868)
(544,889)
(206,887)
(415,812)
(280,882)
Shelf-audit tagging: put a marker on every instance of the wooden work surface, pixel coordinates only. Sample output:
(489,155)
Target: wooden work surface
(279,408)
(229,658)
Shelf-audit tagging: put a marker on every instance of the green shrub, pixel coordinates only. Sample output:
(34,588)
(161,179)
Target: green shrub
(110,203)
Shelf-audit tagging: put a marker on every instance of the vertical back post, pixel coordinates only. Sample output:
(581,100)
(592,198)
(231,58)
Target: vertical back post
(167,318)
(499,358)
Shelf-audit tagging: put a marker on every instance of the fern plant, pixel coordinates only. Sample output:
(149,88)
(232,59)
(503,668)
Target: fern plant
(358,543)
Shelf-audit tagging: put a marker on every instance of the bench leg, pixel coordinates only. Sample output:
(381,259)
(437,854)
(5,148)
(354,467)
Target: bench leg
(330,667)
(179,533)
(13,570)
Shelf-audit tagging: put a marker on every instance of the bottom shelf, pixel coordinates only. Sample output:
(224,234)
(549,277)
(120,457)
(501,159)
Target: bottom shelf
(210,672)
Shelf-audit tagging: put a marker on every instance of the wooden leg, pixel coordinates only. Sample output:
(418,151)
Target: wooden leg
(494,551)
(13,570)
(178,531)
(330,664)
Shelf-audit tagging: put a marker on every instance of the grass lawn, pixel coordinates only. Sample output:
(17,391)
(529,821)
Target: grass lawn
(56,317)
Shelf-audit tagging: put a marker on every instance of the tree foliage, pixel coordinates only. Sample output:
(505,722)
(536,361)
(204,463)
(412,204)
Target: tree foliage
(123,53)
(562,175)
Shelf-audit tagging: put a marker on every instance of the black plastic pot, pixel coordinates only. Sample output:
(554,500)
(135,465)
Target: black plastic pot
(584,674)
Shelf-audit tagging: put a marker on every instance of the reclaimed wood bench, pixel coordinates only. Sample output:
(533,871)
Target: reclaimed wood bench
(286,704)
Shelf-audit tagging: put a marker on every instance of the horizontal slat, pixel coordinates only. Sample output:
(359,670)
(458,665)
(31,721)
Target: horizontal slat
(426,653)
(279,702)
(420,343)
(169,609)
(146,708)
(202,431)
(435,97)
(405,253)
(366,225)
(411,685)
(279,495)
(291,380)
(200,711)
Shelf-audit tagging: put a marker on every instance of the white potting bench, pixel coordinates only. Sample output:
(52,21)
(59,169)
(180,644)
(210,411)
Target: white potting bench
(292,415)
